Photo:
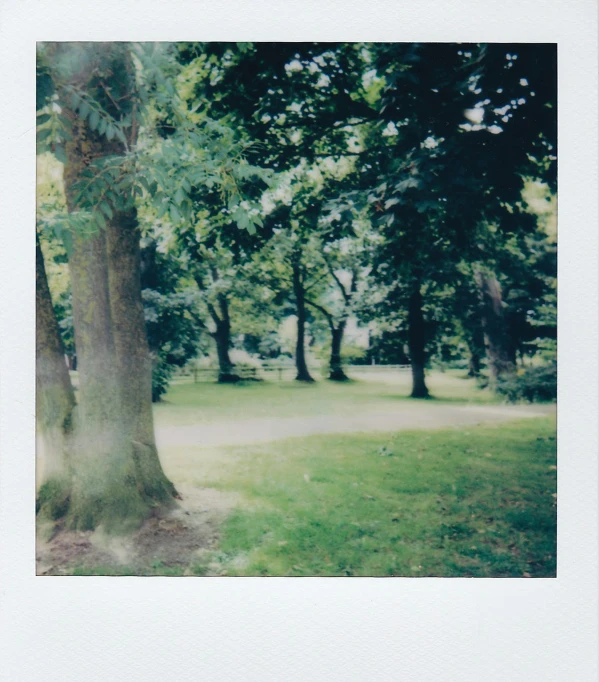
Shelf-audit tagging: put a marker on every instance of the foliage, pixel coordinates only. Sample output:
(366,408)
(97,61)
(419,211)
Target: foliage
(173,334)
(531,384)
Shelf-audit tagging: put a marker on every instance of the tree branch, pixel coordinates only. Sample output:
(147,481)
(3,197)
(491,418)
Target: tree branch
(314,283)
(324,311)
(346,296)
(213,313)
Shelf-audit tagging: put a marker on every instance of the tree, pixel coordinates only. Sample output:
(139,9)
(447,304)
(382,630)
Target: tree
(346,250)
(173,333)
(298,104)
(55,398)
(112,475)
(292,267)
(440,181)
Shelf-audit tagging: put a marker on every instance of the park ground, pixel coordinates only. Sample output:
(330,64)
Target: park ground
(351,479)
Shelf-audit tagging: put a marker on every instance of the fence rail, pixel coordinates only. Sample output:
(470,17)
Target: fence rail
(276,372)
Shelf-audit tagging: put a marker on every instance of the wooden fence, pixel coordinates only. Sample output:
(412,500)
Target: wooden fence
(275,372)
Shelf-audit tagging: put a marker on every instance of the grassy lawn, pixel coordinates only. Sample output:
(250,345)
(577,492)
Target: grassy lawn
(472,502)
(189,403)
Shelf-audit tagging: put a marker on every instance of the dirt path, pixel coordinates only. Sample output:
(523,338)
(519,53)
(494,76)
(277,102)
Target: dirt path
(412,416)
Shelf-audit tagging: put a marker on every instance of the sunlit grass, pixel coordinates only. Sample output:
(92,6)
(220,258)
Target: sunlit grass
(189,403)
(478,501)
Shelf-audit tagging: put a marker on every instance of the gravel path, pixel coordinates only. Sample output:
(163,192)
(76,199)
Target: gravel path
(413,416)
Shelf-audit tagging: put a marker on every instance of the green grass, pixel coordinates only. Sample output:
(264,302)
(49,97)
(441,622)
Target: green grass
(478,501)
(155,569)
(189,403)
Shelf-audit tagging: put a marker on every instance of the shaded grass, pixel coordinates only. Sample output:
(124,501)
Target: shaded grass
(191,403)
(155,569)
(478,501)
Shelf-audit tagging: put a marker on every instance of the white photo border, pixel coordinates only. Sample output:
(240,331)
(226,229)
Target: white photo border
(309,629)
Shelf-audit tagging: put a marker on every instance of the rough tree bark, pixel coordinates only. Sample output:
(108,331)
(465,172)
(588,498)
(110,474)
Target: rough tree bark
(54,396)
(417,344)
(300,303)
(115,477)
(132,352)
(494,328)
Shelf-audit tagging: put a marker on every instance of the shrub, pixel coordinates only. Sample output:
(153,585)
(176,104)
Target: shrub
(534,384)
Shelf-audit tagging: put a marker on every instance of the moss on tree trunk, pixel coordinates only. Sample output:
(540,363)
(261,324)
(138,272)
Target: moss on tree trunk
(114,478)
(55,399)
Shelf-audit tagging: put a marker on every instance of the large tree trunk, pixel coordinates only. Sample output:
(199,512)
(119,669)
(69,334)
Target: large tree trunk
(335,366)
(416,345)
(54,396)
(132,352)
(300,350)
(115,477)
(494,328)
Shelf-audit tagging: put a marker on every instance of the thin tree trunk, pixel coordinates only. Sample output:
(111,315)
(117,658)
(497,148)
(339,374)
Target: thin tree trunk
(416,345)
(493,323)
(55,399)
(300,352)
(474,363)
(222,338)
(335,365)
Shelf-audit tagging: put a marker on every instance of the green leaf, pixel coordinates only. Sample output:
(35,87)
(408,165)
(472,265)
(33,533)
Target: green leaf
(179,196)
(60,153)
(174,213)
(74,100)
(105,208)
(94,120)
(110,131)
(144,183)
(120,135)
(99,218)
(67,240)
(84,110)
(43,134)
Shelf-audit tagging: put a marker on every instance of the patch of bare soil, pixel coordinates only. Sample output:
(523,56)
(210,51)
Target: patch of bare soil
(172,542)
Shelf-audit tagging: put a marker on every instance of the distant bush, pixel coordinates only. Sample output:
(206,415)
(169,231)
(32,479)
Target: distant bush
(161,374)
(533,384)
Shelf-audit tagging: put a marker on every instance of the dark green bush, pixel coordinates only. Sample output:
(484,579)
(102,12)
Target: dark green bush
(533,385)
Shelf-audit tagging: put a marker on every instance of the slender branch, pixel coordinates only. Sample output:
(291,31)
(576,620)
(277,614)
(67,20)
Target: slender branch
(211,309)
(324,311)
(314,283)
(200,322)
(213,313)
(346,296)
